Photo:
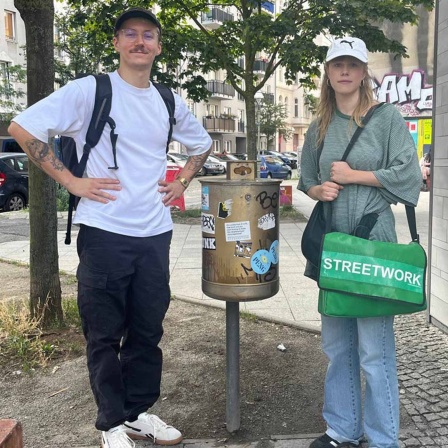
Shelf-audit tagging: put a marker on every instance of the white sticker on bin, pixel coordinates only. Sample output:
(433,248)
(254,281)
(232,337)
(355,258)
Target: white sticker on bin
(267,221)
(237,231)
(208,223)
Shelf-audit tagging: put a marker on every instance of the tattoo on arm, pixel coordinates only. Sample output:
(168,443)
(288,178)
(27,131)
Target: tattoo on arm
(194,163)
(41,152)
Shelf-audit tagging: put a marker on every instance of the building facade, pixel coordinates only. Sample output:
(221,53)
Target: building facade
(438,241)
(408,82)
(224,114)
(12,52)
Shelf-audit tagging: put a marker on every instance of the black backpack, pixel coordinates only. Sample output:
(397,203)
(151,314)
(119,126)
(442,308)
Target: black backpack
(100,116)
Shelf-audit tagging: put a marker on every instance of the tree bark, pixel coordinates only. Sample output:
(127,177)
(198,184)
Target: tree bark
(45,286)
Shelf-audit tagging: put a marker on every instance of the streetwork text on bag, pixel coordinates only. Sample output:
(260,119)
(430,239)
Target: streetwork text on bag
(379,271)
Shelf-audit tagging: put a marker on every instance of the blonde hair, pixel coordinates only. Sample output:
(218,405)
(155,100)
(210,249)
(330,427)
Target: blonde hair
(327,103)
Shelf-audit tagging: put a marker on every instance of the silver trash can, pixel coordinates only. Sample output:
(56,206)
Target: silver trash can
(240,239)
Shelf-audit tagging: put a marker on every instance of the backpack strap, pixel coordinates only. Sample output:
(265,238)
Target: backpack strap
(100,116)
(168,97)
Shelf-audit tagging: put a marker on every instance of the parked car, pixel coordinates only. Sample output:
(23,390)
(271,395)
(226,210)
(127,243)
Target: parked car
(291,161)
(211,167)
(273,168)
(219,161)
(13,181)
(177,159)
(241,156)
(226,157)
(293,155)
(9,145)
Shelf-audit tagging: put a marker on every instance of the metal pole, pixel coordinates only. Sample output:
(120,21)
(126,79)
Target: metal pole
(233,419)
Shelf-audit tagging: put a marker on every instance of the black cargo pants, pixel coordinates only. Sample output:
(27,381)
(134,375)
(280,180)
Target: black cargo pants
(123,295)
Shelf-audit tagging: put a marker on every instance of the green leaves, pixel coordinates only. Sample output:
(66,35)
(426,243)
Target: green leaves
(246,34)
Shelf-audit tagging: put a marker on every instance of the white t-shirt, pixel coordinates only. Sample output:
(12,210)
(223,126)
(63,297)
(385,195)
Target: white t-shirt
(142,127)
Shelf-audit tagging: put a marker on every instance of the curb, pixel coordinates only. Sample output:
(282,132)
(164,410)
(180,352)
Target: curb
(262,316)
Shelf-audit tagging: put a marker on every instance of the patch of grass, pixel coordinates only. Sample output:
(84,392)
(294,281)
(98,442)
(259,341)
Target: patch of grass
(20,337)
(62,198)
(290,212)
(248,316)
(193,216)
(71,313)
(189,213)
(189,216)
(25,346)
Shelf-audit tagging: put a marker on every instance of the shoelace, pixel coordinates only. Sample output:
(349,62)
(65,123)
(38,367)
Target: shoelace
(156,423)
(120,439)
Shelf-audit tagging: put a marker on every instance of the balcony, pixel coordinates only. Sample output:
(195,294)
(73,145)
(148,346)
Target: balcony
(268,7)
(219,89)
(215,17)
(215,124)
(260,66)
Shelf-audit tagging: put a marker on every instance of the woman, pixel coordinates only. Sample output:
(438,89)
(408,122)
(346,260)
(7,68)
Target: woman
(381,169)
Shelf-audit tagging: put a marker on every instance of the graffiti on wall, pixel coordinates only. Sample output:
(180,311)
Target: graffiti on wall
(410,93)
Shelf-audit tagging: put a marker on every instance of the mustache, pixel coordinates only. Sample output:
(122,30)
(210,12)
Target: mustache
(139,48)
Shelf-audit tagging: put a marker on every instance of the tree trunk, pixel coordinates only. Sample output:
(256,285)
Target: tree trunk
(45,286)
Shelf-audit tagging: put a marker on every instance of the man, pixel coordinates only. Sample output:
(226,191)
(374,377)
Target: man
(125,224)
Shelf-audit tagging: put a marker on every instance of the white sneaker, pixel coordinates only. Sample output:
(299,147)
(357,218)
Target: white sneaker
(116,438)
(149,426)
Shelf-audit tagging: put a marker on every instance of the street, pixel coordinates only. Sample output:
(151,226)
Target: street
(14,226)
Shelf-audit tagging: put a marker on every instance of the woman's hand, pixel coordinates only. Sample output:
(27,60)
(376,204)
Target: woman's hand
(340,172)
(326,192)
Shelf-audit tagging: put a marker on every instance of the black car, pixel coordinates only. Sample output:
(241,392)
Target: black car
(13,181)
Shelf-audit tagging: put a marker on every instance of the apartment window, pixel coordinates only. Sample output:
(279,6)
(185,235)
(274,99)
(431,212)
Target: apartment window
(296,108)
(212,110)
(228,146)
(10,18)
(3,70)
(227,111)
(216,146)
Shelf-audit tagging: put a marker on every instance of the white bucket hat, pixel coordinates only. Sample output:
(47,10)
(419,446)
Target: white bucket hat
(347,46)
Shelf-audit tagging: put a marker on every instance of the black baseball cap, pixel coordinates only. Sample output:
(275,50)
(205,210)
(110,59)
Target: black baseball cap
(134,13)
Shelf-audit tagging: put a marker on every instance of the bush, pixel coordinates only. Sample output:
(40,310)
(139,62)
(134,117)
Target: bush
(62,199)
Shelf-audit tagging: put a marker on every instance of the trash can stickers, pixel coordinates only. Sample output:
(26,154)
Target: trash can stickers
(234,239)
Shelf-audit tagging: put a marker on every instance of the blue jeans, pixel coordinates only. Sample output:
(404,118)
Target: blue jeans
(352,345)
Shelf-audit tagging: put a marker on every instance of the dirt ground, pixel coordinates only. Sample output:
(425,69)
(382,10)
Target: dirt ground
(281,392)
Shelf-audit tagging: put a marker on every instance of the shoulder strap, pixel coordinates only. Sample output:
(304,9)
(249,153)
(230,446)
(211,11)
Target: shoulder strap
(359,129)
(168,97)
(100,116)
(410,215)
(355,136)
